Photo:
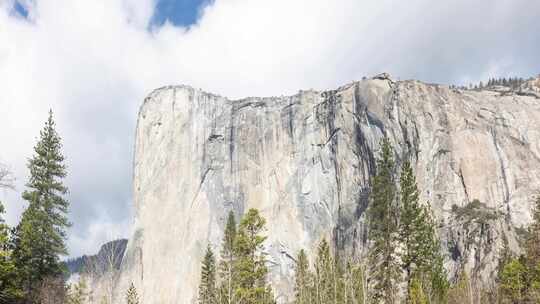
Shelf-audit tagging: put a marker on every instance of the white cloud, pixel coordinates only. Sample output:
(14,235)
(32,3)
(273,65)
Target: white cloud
(94,61)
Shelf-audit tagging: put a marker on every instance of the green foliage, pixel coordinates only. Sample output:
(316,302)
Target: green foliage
(325,275)
(228,258)
(131,295)
(303,279)
(416,293)
(250,264)
(519,278)
(475,211)
(382,218)
(410,220)
(207,288)
(420,258)
(329,283)
(39,238)
(9,289)
(513,282)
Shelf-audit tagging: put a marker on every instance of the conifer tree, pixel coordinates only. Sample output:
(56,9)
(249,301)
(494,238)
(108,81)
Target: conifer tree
(513,282)
(302,280)
(420,257)
(226,266)
(207,287)
(131,295)
(250,264)
(410,214)
(40,236)
(324,274)
(382,219)
(9,289)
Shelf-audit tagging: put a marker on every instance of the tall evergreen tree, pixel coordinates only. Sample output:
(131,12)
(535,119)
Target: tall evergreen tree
(250,265)
(410,219)
(226,266)
(131,295)
(207,288)
(324,274)
(302,282)
(41,233)
(420,257)
(382,219)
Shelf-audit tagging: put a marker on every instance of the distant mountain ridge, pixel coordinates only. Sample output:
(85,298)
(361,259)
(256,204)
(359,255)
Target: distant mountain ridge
(112,251)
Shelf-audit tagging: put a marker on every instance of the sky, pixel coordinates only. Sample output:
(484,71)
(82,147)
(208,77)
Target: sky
(93,62)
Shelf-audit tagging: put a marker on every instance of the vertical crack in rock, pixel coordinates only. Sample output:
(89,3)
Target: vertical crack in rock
(232,137)
(332,133)
(506,190)
(464,185)
(203,178)
(366,162)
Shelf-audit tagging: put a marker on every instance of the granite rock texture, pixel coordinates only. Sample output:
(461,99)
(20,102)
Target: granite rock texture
(306,161)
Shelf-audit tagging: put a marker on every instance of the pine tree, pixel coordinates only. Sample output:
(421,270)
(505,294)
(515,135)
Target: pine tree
(324,274)
(382,219)
(302,280)
(226,266)
(411,211)
(131,295)
(420,257)
(40,236)
(9,289)
(513,282)
(250,265)
(207,288)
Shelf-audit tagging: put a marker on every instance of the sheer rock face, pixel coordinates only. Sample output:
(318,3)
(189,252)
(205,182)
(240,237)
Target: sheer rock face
(306,162)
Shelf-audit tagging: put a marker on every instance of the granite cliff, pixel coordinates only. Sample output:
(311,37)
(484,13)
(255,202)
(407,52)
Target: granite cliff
(306,162)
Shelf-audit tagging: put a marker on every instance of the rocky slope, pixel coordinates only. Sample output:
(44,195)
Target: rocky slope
(109,255)
(306,162)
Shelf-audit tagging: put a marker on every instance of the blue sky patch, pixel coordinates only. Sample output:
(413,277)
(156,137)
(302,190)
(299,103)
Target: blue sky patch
(19,10)
(178,12)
